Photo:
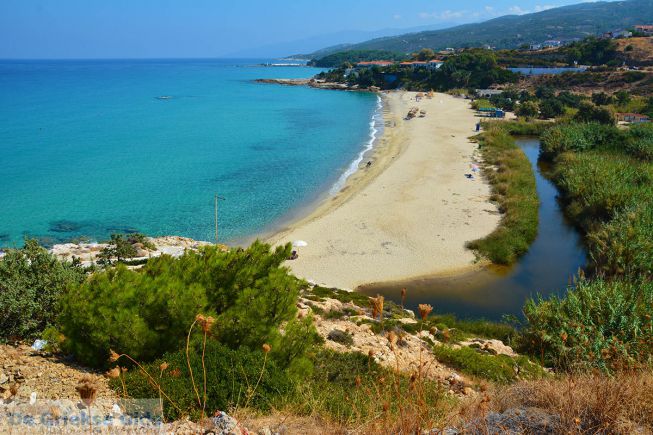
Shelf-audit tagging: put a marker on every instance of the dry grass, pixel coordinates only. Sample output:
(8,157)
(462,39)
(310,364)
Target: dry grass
(641,49)
(578,404)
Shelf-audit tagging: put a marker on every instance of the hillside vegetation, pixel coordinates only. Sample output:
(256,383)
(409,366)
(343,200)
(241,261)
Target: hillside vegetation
(564,23)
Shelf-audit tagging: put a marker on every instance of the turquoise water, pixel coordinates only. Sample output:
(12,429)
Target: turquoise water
(87,148)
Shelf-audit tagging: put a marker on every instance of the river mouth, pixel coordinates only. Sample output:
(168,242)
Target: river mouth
(547,268)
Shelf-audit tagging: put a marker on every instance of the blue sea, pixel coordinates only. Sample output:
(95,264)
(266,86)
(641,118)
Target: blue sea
(88,148)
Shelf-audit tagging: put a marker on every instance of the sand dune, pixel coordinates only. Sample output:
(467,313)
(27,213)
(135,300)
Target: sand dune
(407,215)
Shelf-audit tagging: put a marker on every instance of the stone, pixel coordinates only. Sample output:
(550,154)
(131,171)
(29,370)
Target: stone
(3,378)
(492,347)
(224,424)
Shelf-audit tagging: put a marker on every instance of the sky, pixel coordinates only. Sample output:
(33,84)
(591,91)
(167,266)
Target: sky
(64,29)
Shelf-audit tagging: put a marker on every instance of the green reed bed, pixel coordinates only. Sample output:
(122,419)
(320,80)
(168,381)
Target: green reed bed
(513,188)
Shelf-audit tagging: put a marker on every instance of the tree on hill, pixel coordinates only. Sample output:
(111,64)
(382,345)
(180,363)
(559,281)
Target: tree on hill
(528,110)
(588,112)
(424,54)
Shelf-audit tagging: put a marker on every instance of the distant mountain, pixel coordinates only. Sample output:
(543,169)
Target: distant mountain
(511,31)
(336,41)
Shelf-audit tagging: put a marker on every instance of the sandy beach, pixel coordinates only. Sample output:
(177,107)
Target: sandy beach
(410,212)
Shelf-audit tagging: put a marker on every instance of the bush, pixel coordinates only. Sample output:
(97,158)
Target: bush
(640,141)
(528,110)
(596,185)
(497,368)
(598,323)
(481,104)
(551,108)
(341,337)
(148,312)
(123,248)
(231,375)
(588,112)
(578,137)
(352,389)
(32,281)
(602,99)
(513,187)
(623,246)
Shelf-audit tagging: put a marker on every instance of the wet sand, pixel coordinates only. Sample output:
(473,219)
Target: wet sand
(411,212)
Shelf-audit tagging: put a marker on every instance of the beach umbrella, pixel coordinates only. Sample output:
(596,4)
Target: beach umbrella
(299,243)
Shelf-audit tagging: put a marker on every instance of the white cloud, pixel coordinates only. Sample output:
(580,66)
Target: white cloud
(516,10)
(444,15)
(540,8)
(396,17)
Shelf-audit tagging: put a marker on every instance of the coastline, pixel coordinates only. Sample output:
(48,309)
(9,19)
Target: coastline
(409,214)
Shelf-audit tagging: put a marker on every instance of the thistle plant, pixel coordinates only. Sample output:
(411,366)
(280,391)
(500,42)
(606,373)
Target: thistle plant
(87,390)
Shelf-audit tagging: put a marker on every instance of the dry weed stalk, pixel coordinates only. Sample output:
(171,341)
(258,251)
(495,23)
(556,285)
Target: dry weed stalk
(377,307)
(266,350)
(87,390)
(114,357)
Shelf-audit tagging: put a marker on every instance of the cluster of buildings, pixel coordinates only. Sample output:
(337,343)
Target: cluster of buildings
(551,43)
(644,29)
(430,64)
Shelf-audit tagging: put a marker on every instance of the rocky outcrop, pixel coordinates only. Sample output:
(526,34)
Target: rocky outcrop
(318,84)
(88,253)
(491,347)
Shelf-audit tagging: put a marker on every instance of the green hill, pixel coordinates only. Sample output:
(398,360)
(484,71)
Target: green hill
(563,23)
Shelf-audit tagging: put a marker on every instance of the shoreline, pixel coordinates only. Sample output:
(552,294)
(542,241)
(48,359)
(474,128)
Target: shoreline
(355,240)
(334,256)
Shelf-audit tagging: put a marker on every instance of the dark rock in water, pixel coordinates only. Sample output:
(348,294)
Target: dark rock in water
(65,226)
(122,230)
(4,238)
(46,241)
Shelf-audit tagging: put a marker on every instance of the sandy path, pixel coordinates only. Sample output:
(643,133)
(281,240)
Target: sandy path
(407,215)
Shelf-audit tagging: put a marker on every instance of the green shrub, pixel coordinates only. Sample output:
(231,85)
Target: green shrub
(640,141)
(148,312)
(352,389)
(551,108)
(598,323)
(623,246)
(341,337)
(513,187)
(596,185)
(32,281)
(122,247)
(588,112)
(578,137)
(497,368)
(528,110)
(481,104)
(231,375)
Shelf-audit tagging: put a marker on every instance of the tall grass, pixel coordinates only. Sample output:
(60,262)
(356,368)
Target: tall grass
(598,324)
(605,176)
(579,403)
(513,187)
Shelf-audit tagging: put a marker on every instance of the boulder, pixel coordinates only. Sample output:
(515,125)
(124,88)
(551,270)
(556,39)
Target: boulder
(492,347)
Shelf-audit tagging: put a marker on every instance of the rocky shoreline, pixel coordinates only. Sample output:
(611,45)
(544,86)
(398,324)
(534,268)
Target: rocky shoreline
(317,84)
(87,253)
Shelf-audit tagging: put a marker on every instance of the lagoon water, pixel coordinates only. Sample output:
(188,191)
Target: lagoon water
(87,148)
(549,266)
